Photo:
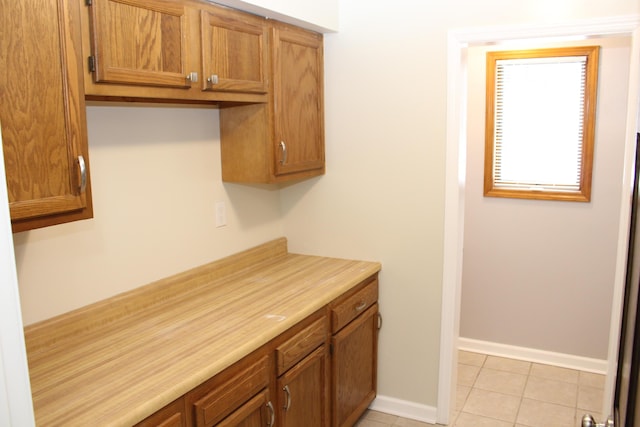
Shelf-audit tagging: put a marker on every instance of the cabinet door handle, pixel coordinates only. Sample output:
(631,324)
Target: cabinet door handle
(213,79)
(361,306)
(83,173)
(287,404)
(192,77)
(379,321)
(272,417)
(283,146)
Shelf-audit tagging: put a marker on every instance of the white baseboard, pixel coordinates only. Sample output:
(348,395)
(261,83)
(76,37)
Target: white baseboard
(597,366)
(404,408)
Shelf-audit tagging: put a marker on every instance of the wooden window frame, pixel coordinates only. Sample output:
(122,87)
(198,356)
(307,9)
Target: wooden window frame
(583,194)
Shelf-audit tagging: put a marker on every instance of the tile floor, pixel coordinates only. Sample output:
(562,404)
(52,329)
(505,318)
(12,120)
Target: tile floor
(497,392)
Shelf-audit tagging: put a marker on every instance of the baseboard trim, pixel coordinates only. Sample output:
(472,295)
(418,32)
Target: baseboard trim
(404,408)
(597,366)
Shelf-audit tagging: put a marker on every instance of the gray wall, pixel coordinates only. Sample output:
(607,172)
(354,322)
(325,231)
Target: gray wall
(539,274)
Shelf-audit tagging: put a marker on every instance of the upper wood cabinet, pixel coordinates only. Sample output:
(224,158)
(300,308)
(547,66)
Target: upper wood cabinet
(174,50)
(298,102)
(140,42)
(234,51)
(284,139)
(42,113)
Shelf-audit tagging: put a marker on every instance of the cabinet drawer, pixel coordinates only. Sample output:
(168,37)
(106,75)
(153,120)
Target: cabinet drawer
(349,309)
(172,415)
(225,398)
(303,343)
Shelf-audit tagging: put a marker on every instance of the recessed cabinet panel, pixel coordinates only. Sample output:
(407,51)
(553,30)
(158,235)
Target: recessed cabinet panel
(254,413)
(298,82)
(354,368)
(211,403)
(234,52)
(42,114)
(141,42)
(303,392)
(284,139)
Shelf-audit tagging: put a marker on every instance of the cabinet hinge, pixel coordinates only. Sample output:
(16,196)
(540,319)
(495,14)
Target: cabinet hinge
(92,62)
(88,2)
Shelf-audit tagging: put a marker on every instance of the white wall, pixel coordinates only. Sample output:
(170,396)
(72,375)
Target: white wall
(15,392)
(540,274)
(155,178)
(315,15)
(383,195)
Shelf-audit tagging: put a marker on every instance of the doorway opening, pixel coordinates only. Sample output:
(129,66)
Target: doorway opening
(459,41)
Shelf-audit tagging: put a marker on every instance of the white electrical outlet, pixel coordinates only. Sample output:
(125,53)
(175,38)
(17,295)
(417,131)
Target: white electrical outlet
(221,214)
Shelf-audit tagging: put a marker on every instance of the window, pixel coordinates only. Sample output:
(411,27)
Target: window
(540,120)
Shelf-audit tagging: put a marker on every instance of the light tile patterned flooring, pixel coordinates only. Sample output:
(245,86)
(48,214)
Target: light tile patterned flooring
(498,392)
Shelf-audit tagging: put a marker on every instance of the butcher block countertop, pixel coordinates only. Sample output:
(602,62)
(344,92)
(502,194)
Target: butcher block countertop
(116,362)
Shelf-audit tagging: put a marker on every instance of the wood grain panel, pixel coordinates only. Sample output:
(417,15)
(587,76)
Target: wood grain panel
(42,113)
(172,415)
(305,403)
(296,348)
(140,42)
(298,83)
(355,305)
(223,400)
(354,371)
(235,49)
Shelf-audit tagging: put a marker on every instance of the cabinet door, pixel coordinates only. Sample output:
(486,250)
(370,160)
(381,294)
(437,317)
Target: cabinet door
(257,412)
(140,42)
(303,392)
(42,113)
(234,51)
(354,360)
(298,100)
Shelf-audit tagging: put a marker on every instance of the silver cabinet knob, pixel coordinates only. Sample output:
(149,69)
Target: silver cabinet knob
(192,77)
(287,404)
(213,79)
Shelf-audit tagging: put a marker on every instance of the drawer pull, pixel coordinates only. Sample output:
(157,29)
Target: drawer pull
(272,418)
(287,404)
(83,174)
(361,306)
(283,147)
(379,321)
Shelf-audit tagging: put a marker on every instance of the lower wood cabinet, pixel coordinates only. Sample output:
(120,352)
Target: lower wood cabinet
(319,373)
(354,368)
(257,412)
(302,392)
(239,396)
(302,368)
(172,415)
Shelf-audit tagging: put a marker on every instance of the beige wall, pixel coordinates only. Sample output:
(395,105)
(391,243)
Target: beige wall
(156,177)
(540,274)
(313,14)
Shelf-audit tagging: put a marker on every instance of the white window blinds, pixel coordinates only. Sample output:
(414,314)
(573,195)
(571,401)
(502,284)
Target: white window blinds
(538,123)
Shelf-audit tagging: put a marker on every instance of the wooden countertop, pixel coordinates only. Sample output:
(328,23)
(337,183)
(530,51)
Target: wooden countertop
(116,362)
